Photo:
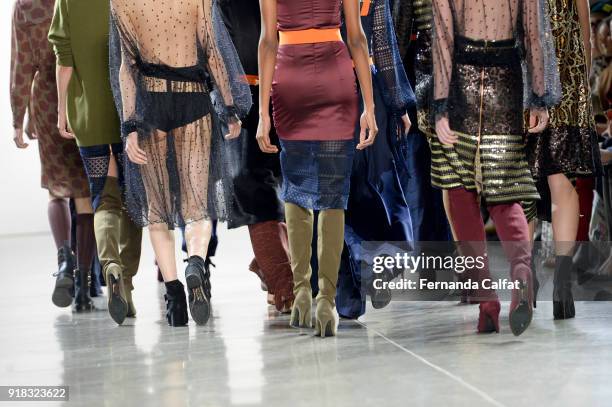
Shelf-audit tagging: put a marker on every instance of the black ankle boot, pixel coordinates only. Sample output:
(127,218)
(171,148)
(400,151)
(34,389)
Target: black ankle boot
(381,297)
(197,275)
(64,281)
(82,300)
(176,304)
(563,301)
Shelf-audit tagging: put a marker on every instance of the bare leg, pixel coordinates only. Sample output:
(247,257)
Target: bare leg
(83,206)
(565,213)
(445,201)
(197,235)
(162,241)
(565,221)
(532,228)
(156,183)
(193,154)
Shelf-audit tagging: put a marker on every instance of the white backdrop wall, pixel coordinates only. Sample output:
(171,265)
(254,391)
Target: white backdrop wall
(23,204)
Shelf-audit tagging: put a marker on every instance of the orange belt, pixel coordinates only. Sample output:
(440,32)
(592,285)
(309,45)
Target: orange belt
(252,80)
(365,7)
(310,36)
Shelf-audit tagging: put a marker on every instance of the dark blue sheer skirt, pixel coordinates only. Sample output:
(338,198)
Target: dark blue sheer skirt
(316,174)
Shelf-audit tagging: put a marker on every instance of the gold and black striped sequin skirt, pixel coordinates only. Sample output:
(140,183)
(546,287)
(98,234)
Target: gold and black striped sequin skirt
(485,108)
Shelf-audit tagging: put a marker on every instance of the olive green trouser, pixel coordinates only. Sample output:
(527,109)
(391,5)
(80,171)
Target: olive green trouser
(118,239)
(330,241)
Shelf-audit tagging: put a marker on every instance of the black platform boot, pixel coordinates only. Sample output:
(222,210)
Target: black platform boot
(82,300)
(563,301)
(176,304)
(381,297)
(64,281)
(197,275)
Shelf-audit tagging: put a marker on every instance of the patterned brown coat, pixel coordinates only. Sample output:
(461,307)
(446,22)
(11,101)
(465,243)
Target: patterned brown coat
(33,89)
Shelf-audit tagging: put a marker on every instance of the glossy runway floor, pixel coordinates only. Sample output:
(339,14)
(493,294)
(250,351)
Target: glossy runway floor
(409,354)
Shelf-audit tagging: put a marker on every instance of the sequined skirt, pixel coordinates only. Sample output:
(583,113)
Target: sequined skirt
(424,81)
(316,174)
(569,145)
(485,107)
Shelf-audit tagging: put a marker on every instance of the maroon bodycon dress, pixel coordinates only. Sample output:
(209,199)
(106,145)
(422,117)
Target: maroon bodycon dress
(315,105)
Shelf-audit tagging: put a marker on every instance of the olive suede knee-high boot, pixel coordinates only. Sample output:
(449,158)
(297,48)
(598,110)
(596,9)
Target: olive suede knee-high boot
(107,226)
(130,243)
(299,228)
(329,248)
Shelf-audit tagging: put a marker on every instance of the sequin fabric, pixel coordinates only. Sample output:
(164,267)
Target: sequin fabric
(569,145)
(493,20)
(484,109)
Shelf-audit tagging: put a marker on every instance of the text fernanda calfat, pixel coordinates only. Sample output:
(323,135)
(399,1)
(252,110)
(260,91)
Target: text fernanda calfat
(424,284)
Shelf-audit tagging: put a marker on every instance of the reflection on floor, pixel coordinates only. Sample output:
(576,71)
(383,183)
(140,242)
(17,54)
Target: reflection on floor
(421,354)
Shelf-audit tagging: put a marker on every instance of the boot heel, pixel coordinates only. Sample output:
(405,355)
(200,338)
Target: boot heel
(64,282)
(199,306)
(522,313)
(62,293)
(326,323)
(82,300)
(564,309)
(563,300)
(536,288)
(197,276)
(301,313)
(117,305)
(193,281)
(176,304)
(488,319)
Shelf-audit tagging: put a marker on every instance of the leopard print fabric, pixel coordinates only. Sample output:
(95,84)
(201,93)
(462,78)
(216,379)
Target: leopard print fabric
(32,87)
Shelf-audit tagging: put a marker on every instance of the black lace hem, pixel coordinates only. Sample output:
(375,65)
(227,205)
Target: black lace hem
(439,107)
(547,100)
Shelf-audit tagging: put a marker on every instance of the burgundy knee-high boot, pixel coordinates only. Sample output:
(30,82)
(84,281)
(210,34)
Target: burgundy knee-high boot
(513,231)
(269,240)
(469,230)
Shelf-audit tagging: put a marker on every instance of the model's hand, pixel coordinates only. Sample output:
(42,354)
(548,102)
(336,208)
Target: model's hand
(18,138)
(62,125)
(444,132)
(369,129)
(235,127)
(538,120)
(407,125)
(263,135)
(134,152)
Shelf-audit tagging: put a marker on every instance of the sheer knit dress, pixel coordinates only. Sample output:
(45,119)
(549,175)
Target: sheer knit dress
(490,59)
(176,78)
